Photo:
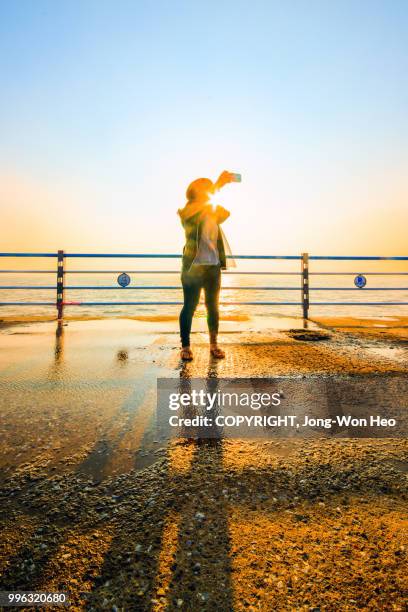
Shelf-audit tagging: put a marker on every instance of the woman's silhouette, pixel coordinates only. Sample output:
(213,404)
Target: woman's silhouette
(204,256)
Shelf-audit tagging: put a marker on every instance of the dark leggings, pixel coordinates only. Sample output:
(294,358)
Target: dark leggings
(200,277)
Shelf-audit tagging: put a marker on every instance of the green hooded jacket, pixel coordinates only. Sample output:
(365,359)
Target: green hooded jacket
(192,226)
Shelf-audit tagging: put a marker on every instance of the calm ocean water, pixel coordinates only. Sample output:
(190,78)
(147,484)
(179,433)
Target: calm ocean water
(233,290)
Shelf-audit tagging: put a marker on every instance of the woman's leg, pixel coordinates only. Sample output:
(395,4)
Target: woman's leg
(212,285)
(191,291)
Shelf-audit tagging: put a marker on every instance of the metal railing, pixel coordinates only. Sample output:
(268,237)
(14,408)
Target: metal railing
(60,287)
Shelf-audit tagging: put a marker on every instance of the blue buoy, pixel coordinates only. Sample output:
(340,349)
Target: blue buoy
(123,279)
(360,281)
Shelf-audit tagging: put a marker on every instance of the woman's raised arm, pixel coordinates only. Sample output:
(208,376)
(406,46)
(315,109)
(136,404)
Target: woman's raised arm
(224,178)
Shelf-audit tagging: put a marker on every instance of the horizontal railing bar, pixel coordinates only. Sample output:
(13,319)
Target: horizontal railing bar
(357,258)
(358,289)
(28,254)
(179,287)
(173,256)
(178,256)
(73,303)
(255,273)
(357,273)
(150,272)
(358,303)
(142,255)
(221,303)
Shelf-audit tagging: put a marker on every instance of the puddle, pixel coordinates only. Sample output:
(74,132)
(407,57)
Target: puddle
(308,335)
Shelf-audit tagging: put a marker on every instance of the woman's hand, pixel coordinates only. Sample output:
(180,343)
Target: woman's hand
(224,178)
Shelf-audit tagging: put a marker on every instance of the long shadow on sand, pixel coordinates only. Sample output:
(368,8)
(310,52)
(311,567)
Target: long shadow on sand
(197,574)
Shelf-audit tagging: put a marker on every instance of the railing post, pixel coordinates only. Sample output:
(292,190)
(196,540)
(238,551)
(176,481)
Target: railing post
(60,285)
(305,285)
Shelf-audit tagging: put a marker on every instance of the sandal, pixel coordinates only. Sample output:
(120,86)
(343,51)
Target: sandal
(186,354)
(217,352)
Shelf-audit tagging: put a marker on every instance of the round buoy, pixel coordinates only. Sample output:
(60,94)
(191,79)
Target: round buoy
(123,279)
(360,281)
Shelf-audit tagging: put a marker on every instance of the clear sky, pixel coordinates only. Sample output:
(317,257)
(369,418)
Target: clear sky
(109,109)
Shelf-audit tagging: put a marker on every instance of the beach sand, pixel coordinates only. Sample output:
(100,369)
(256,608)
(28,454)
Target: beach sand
(94,504)
(382,327)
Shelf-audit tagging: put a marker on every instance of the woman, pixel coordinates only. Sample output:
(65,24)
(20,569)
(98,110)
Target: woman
(203,259)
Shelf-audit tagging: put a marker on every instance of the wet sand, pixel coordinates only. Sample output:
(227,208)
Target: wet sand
(96,505)
(393,328)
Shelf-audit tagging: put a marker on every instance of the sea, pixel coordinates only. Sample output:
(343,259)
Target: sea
(238,287)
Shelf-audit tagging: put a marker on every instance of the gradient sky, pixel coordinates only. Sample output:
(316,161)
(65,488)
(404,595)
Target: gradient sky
(109,109)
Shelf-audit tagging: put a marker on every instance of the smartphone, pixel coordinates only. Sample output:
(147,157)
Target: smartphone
(236,178)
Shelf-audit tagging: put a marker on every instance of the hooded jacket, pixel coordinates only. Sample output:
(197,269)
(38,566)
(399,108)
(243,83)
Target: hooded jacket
(191,218)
